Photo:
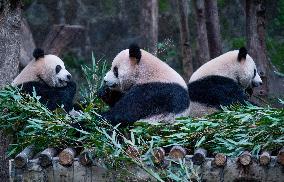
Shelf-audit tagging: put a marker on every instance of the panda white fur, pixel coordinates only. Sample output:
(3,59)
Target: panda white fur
(139,86)
(46,74)
(222,81)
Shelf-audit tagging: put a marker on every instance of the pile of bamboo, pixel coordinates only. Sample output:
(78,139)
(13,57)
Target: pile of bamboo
(71,165)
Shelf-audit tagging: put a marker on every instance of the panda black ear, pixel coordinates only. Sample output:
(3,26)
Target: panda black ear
(135,52)
(242,53)
(38,53)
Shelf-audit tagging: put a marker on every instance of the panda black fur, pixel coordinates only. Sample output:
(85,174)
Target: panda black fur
(149,89)
(222,81)
(47,76)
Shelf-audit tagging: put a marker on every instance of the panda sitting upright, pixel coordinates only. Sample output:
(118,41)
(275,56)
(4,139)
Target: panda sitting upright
(46,74)
(221,82)
(140,86)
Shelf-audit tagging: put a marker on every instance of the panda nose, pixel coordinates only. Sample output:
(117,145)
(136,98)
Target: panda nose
(69,77)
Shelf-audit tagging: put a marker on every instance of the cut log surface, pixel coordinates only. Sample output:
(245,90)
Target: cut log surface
(220,159)
(264,159)
(280,157)
(66,157)
(86,157)
(132,151)
(46,156)
(245,158)
(199,156)
(158,155)
(23,158)
(177,152)
(60,36)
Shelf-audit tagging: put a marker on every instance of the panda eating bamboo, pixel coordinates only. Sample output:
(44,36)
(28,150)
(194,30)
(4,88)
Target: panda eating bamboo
(47,76)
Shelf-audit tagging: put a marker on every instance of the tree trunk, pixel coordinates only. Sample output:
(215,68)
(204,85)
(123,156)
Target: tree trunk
(255,32)
(149,25)
(213,28)
(255,25)
(27,44)
(202,41)
(10,24)
(182,6)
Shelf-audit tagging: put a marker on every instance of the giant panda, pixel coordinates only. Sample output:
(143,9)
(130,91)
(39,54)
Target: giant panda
(222,81)
(47,76)
(139,86)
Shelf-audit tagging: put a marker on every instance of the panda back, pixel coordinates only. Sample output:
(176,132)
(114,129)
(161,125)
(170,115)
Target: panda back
(215,91)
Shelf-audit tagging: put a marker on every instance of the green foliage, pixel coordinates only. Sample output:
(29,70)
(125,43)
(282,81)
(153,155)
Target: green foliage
(94,78)
(276,53)
(243,128)
(238,42)
(164,5)
(279,20)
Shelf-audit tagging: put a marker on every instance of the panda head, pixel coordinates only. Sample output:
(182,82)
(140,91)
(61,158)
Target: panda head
(247,75)
(124,69)
(51,69)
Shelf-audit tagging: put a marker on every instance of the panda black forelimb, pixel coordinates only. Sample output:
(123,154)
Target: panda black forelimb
(146,100)
(109,96)
(52,97)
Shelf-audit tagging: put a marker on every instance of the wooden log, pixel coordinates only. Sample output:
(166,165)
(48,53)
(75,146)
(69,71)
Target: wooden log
(199,156)
(220,159)
(177,152)
(23,158)
(60,36)
(46,156)
(132,151)
(264,158)
(66,157)
(159,155)
(245,158)
(280,156)
(86,157)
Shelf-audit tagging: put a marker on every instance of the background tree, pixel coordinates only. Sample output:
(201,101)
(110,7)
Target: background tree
(273,84)
(213,28)
(10,23)
(149,25)
(182,7)
(202,49)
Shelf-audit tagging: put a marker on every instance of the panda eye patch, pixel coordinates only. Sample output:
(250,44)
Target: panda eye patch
(115,71)
(57,68)
(254,73)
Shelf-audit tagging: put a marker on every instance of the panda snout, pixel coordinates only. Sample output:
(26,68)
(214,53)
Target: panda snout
(256,84)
